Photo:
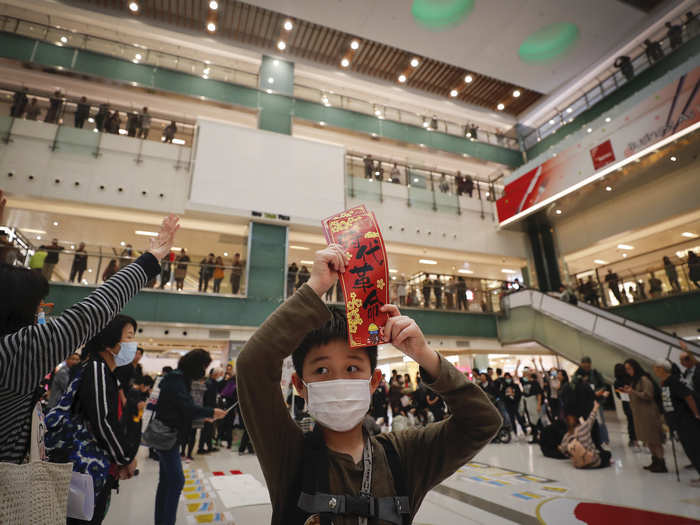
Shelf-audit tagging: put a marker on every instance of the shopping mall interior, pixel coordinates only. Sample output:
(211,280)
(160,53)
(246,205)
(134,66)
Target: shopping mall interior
(532,167)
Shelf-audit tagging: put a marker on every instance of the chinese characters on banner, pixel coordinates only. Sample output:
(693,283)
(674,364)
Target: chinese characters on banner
(365,282)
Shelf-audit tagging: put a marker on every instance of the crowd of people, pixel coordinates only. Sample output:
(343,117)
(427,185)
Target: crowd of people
(134,123)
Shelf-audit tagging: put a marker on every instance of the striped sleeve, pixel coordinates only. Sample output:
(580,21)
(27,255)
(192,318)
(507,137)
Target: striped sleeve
(27,355)
(99,395)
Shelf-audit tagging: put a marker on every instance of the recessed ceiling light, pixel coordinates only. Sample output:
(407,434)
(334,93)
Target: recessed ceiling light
(270,80)
(624,255)
(501,106)
(516,93)
(608,188)
(211,27)
(288,25)
(607,119)
(145,233)
(281,45)
(551,122)
(464,270)
(133,7)
(225,254)
(345,62)
(506,270)
(589,130)
(64,39)
(354,45)
(55,223)
(674,158)
(213,5)
(122,243)
(558,212)
(690,235)
(402,78)
(415,62)
(427,261)
(569,110)
(454,93)
(72,246)
(468,79)
(625,247)
(38,237)
(600,261)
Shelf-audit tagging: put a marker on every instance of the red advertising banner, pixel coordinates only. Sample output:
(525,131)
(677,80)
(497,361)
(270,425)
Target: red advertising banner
(602,155)
(365,282)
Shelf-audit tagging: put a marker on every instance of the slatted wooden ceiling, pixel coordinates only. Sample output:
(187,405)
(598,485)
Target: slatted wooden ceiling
(263,28)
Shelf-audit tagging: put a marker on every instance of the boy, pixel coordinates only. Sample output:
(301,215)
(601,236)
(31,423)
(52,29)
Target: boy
(325,473)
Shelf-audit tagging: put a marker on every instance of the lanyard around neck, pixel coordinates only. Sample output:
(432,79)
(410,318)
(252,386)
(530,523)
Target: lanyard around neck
(366,489)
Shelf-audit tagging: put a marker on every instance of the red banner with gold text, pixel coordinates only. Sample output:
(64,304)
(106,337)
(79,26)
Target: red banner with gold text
(365,282)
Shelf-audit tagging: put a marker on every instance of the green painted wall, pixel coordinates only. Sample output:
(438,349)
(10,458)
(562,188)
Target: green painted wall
(666,311)
(678,57)
(271,105)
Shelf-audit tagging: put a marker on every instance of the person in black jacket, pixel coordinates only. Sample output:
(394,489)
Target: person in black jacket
(210,399)
(136,398)
(82,112)
(622,380)
(176,409)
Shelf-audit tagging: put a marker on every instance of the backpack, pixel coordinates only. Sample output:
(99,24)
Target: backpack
(550,437)
(68,438)
(310,494)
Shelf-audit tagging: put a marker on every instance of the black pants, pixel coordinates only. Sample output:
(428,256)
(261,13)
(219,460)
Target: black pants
(235,283)
(515,416)
(689,436)
(555,407)
(627,409)
(189,445)
(605,456)
(461,300)
(245,443)
(101,505)
(76,272)
(438,301)
(79,121)
(206,437)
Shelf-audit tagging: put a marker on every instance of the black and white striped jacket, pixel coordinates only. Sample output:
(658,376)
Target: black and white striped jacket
(26,356)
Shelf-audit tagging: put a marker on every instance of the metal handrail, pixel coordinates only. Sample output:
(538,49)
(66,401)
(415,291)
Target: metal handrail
(491,137)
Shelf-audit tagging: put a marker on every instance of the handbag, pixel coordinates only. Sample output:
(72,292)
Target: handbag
(158,435)
(36,491)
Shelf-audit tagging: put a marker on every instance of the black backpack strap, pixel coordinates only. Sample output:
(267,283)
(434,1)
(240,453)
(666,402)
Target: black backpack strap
(397,473)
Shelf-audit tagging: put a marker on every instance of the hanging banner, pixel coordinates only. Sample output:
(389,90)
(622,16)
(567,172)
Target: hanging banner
(365,282)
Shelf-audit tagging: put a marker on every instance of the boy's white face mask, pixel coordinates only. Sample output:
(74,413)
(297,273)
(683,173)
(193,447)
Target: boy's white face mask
(339,404)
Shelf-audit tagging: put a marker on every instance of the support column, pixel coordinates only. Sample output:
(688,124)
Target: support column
(276,77)
(542,244)
(267,262)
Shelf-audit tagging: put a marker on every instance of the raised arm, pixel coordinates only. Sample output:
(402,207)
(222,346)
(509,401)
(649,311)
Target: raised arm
(27,355)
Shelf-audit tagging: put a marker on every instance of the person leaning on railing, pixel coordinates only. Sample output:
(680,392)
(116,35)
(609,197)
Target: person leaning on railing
(29,351)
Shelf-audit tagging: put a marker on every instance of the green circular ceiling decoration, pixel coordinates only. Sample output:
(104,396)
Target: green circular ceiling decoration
(549,42)
(439,14)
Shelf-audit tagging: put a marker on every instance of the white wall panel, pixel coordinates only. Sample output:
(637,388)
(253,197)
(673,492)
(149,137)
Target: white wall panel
(239,170)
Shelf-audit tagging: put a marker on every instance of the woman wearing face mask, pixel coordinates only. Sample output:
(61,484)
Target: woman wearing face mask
(511,399)
(177,409)
(97,404)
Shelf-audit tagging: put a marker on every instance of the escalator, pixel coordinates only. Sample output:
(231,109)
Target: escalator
(574,331)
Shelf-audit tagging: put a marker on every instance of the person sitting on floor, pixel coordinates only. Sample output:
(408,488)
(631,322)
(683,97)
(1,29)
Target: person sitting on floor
(578,443)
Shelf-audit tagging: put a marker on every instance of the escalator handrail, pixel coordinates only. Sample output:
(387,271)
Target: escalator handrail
(652,332)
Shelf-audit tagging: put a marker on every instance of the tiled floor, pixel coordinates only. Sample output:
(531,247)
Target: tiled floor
(489,490)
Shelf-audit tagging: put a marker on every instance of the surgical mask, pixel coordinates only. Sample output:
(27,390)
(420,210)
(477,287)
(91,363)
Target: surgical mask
(509,381)
(219,379)
(484,383)
(127,351)
(339,404)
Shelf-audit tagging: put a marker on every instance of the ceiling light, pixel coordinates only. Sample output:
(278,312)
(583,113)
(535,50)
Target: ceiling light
(322,123)
(422,145)
(55,223)
(558,212)
(402,78)
(674,158)
(281,45)
(133,7)
(31,230)
(354,45)
(625,247)
(468,79)
(145,233)
(72,246)
(427,261)
(454,93)
(89,270)
(464,270)
(608,188)
(607,119)
(38,237)
(569,110)
(64,39)
(297,247)
(516,93)
(288,26)
(225,254)
(211,27)
(138,56)
(589,130)
(392,270)
(425,123)
(306,262)
(270,80)
(206,70)
(501,106)
(551,122)
(122,243)
(624,255)
(415,62)
(689,235)
(600,261)
(213,5)
(506,270)
(180,142)
(345,62)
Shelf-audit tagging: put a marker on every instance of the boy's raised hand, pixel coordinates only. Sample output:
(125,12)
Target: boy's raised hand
(403,332)
(328,263)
